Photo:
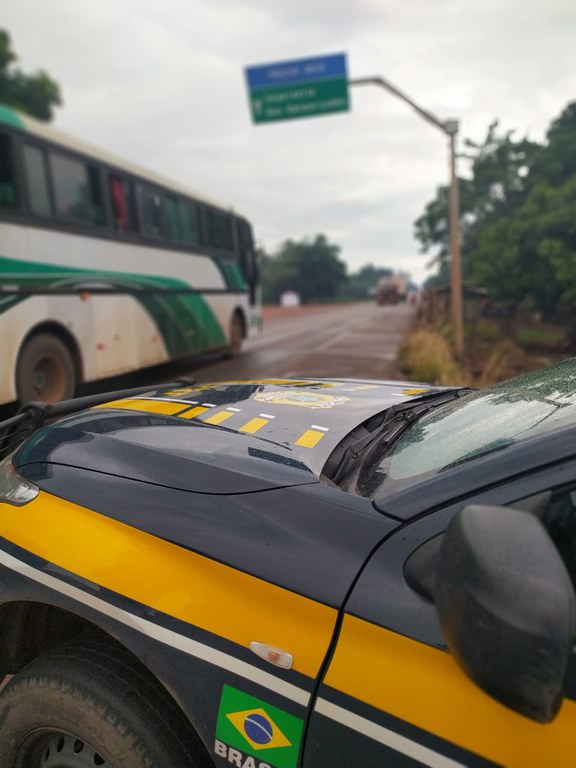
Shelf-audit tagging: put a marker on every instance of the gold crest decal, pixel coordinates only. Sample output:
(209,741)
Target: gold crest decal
(303,399)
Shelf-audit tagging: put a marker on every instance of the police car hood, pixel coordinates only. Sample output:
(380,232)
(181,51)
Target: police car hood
(222,438)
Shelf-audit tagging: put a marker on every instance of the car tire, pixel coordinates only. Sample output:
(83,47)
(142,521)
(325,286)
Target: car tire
(45,370)
(90,703)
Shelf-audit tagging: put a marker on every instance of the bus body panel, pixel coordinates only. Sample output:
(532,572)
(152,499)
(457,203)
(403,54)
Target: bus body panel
(119,333)
(113,333)
(98,254)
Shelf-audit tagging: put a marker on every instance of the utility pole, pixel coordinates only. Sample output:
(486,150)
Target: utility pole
(450,129)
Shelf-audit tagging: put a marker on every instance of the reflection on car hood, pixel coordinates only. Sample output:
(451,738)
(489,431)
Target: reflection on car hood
(231,437)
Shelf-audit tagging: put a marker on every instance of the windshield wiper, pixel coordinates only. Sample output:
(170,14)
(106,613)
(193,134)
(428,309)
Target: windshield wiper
(384,429)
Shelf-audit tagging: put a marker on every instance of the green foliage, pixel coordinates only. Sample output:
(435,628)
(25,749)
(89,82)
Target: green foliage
(486,330)
(524,255)
(556,164)
(311,268)
(432,229)
(36,94)
(541,336)
(499,167)
(362,284)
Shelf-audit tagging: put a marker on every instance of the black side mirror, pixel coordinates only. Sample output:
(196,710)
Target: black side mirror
(507,607)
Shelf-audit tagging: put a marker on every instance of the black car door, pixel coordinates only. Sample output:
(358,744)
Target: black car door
(392,695)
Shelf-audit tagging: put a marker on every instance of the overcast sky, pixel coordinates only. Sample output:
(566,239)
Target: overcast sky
(161,83)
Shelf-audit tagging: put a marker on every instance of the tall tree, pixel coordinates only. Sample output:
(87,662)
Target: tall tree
(37,94)
(531,253)
(311,268)
(556,163)
(498,176)
(500,166)
(528,250)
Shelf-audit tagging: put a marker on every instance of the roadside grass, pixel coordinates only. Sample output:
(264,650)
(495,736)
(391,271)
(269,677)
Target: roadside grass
(527,334)
(426,356)
(484,330)
(492,354)
(502,360)
(550,337)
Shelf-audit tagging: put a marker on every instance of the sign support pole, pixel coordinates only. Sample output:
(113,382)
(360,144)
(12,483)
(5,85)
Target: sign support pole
(450,129)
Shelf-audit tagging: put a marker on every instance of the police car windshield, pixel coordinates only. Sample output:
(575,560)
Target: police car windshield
(474,425)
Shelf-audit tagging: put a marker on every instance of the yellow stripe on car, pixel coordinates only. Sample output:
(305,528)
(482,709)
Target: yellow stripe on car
(425,686)
(171,579)
(151,406)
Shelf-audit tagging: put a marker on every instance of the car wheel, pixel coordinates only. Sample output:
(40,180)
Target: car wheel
(90,703)
(45,370)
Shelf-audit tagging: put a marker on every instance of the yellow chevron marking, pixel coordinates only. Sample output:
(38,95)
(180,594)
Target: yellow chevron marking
(194,412)
(218,418)
(310,438)
(254,425)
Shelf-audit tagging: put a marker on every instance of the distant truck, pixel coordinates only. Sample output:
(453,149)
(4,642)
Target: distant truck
(391,290)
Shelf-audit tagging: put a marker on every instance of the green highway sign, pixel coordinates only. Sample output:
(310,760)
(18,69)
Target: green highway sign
(306,100)
(299,88)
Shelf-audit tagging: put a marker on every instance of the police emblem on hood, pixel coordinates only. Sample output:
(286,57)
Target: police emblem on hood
(304,399)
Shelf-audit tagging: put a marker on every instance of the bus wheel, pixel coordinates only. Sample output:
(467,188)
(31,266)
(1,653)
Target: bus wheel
(236,336)
(45,370)
(89,703)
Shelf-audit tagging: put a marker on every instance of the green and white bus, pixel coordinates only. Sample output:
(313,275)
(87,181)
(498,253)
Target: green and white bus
(106,268)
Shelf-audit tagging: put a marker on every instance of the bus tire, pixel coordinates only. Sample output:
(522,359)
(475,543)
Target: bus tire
(90,703)
(45,370)
(237,335)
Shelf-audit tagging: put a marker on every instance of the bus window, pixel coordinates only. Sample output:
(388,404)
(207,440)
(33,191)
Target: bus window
(189,220)
(72,189)
(123,204)
(77,190)
(172,218)
(96,195)
(218,228)
(150,200)
(8,189)
(37,181)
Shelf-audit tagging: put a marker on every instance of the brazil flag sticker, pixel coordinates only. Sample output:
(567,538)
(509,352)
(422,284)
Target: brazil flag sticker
(253,726)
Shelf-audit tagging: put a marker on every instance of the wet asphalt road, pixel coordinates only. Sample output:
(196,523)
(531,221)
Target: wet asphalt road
(354,340)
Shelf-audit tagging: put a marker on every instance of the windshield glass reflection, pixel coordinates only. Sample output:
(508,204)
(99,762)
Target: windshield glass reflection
(475,425)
